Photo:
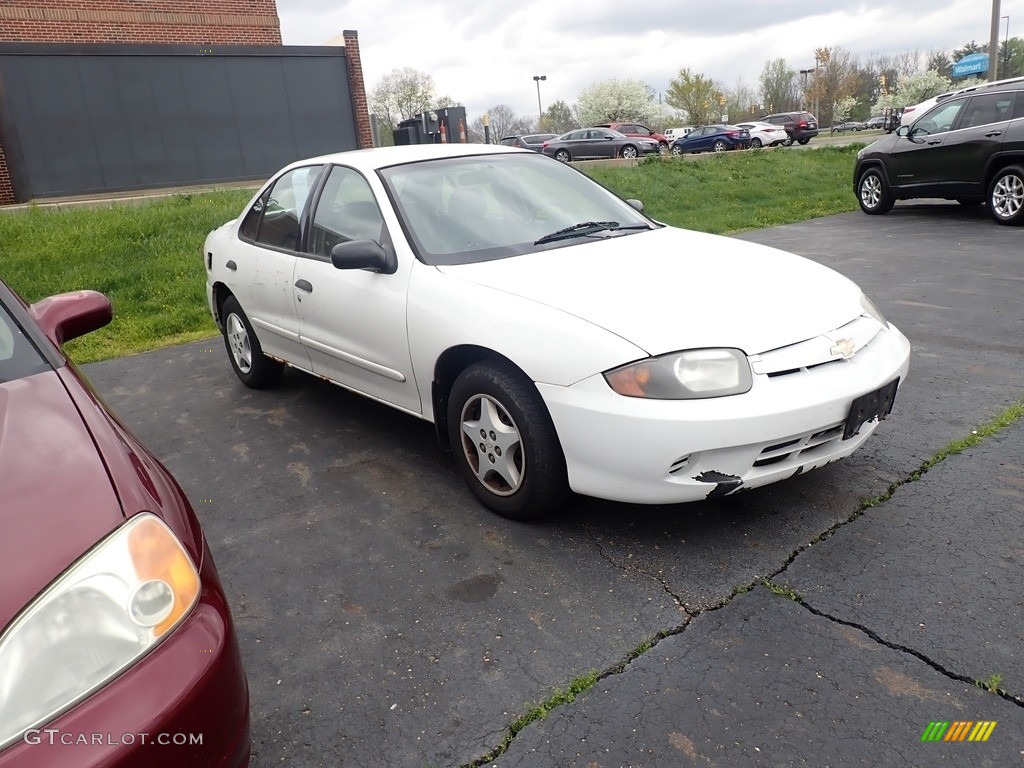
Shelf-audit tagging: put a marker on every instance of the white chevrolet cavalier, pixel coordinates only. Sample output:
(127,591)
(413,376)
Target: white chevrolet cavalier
(557,338)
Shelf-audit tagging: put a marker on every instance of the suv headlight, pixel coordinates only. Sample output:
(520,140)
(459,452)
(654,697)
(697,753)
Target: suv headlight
(98,618)
(689,375)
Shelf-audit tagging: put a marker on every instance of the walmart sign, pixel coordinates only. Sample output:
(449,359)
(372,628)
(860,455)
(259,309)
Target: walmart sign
(975,64)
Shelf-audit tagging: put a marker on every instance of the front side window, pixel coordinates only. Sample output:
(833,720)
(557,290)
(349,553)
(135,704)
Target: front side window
(274,219)
(940,119)
(346,211)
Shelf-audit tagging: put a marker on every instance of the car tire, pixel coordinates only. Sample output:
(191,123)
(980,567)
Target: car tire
(1006,196)
(562,156)
(663,148)
(756,143)
(677,150)
(253,368)
(787,142)
(720,146)
(803,141)
(628,152)
(873,193)
(505,443)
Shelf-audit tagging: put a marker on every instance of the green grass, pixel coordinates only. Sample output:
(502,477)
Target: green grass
(735,191)
(147,258)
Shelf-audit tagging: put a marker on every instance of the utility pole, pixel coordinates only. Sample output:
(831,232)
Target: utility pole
(993,44)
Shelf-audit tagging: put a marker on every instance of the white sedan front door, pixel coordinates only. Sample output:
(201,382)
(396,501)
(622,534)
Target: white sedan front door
(353,321)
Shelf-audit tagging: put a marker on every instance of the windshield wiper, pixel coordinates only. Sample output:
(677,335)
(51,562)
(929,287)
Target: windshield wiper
(585,228)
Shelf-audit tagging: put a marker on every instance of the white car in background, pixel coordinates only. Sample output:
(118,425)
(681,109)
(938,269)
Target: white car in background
(677,133)
(558,339)
(765,134)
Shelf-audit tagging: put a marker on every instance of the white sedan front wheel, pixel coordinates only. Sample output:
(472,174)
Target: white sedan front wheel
(505,443)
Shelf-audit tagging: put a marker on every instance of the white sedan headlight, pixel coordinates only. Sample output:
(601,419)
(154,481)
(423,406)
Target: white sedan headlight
(689,375)
(98,618)
(871,310)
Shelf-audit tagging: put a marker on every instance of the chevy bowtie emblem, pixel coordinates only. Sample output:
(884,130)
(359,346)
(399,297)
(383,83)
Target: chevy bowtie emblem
(843,347)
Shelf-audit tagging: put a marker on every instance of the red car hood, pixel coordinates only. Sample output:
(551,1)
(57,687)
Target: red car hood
(56,498)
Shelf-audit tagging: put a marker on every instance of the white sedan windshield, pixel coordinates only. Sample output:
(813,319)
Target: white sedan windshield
(477,208)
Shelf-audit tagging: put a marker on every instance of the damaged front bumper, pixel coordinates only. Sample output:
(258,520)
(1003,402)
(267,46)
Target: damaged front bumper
(668,451)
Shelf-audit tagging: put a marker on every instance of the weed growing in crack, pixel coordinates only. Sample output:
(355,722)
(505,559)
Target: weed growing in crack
(777,589)
(558,698)
(990,683)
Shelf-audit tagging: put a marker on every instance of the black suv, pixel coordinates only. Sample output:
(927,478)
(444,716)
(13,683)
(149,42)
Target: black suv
(968,148)
(800,126)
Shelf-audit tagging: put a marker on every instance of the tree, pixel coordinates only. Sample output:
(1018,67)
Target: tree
(941,63)
(557,118)
(615,100)
(696,95)
(741,103)
(837,77)
(503,122)
(842,108)
(778,87)
(913,90)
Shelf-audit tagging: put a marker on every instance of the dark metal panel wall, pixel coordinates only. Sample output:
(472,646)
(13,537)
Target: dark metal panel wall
(87,119)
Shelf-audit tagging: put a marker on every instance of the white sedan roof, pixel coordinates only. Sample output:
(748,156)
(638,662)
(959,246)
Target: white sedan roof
(382,157)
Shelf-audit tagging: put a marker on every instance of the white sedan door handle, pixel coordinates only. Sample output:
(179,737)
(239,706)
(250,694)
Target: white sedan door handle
(304,285)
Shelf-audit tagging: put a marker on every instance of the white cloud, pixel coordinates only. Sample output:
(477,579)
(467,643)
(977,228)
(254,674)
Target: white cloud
(484,53)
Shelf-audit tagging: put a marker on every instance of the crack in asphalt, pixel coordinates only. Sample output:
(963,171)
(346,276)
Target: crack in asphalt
(913,652)
(1010,415)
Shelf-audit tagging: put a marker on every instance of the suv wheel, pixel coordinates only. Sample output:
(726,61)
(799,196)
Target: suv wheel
(1006,196)
(788,141)
(873,193)
(803,141)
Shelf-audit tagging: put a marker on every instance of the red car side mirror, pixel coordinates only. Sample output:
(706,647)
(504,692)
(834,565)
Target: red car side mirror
(70,315)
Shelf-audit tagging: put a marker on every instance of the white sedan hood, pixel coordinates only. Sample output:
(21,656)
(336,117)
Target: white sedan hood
(675,289)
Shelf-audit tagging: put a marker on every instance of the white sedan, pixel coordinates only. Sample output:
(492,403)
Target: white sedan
(558,339)
(765,134)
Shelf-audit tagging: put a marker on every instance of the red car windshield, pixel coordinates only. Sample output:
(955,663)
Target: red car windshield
(18,357)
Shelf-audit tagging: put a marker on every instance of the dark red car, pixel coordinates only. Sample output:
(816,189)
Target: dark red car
(117,646)
(636,129)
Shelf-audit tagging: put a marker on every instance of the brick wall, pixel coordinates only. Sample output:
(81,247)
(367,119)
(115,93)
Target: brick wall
(225,22)
(360,105)
(181,22)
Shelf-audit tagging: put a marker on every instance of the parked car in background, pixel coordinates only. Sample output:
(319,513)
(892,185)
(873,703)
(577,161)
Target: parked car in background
(671,134)
(849,125)
(532,141)
(592,362)
(874,122)
(114,619)
(801,126)
(712,138)
(596,143)
(638,130)
(967,147)
(765,134)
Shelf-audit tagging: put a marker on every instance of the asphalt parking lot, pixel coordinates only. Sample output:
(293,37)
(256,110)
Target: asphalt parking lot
(387,619)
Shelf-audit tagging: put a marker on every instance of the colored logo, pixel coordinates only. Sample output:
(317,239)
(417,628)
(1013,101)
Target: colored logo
(959,730)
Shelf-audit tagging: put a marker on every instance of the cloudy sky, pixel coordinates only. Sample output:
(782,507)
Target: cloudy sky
(484,53)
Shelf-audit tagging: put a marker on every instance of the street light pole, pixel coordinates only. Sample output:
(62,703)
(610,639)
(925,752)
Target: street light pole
(1006,49)
(803,93)
(540,112)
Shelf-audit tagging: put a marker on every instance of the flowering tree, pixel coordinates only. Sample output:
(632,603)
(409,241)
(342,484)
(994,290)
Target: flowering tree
(615,100)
